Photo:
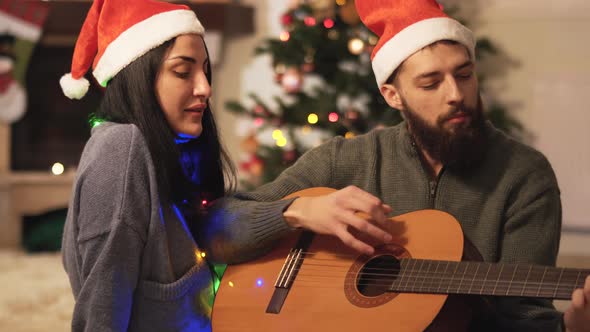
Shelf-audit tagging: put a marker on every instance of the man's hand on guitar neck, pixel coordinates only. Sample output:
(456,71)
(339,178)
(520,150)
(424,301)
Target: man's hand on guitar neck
(577,315)
(334,213)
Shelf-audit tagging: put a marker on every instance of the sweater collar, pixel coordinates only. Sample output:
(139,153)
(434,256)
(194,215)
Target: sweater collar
(406,139)
(100,126)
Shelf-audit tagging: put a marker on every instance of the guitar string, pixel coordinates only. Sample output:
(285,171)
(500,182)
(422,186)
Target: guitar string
(441,287)
(551,294)
(436,271)
(465,277)
(430,275)
(561,292)
(421,286)
(455,284)
(346,264)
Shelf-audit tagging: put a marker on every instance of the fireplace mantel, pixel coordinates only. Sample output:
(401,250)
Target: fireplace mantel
(66,17)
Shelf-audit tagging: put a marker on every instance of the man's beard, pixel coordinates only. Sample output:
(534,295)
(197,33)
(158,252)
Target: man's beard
(462,145)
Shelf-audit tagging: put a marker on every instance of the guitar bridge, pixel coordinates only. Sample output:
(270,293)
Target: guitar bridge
(288,273)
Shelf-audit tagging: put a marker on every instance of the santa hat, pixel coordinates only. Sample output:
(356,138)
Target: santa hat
(116,32)
(405,27)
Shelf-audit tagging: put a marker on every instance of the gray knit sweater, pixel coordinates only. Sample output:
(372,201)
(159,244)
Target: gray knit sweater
(132,264)
(509,207)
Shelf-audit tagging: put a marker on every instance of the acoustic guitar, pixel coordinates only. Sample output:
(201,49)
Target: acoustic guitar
(314,282)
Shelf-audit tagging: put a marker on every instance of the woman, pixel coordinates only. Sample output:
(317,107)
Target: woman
(147,172)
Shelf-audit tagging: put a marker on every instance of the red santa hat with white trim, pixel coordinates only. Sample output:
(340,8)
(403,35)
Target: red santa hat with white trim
(405,27)
(116,32)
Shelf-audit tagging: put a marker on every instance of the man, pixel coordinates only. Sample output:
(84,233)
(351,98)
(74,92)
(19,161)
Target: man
(444,156)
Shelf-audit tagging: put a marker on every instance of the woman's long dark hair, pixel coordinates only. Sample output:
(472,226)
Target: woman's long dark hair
(186,173)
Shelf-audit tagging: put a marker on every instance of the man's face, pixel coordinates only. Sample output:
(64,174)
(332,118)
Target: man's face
(437,92)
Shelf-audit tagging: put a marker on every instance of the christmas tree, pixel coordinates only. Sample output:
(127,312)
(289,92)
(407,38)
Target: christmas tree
(322,61)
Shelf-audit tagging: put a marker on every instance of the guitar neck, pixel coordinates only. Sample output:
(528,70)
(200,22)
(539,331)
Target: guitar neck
(480,278)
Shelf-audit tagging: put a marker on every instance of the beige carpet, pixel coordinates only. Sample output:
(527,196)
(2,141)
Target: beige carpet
(35,294)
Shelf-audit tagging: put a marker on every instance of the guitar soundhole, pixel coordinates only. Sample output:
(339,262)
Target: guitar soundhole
(369,278)
(377,275)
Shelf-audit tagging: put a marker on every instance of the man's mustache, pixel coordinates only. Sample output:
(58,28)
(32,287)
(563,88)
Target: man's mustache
(455,113)
(462,110)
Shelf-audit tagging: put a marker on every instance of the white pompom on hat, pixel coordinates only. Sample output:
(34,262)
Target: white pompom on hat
(116,32)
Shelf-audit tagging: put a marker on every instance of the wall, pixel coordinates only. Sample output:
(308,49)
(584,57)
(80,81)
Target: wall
(547,86)
(240,72)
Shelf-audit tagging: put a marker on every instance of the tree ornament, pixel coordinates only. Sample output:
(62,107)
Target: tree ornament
(251,169)
(352,115)
(309,21)
(256,166)
(289,156)
(251,166)
(259,110)
(250,144)
(307,67)
(292,80)
(258,122)
(287,19)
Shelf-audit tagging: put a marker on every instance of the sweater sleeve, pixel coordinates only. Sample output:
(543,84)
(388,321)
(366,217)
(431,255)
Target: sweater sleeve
(110,210)
(531,235)
(245,225)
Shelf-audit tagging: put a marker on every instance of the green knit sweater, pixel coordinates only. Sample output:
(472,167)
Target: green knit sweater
(509,207)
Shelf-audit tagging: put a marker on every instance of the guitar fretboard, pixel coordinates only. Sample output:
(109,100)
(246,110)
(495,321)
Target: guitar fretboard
(480,278)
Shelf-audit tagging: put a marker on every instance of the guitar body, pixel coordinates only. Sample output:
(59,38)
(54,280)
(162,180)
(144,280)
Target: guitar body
(325,295)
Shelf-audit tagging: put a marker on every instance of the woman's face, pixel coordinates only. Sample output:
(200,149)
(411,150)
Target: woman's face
(182,88)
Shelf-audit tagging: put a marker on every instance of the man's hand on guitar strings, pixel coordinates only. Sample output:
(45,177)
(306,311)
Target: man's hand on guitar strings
(577,315)
(334,213)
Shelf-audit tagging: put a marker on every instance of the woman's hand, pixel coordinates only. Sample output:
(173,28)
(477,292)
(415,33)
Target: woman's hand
(335,213)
